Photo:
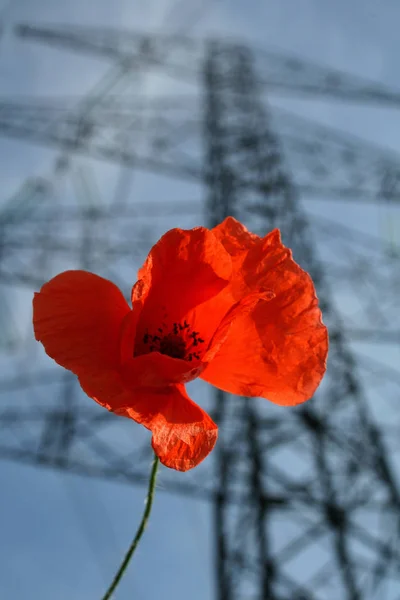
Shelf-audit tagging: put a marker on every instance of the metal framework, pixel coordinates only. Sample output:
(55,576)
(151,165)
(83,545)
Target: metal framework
(306,500)
(337,458)
(182,56)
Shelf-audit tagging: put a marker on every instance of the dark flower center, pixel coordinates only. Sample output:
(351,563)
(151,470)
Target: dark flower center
(173,345)
(180,342)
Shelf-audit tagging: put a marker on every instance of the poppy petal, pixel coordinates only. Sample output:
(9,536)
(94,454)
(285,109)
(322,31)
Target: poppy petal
(183,433)
(278,351)
(78,316)
(106,388)
(184,269)
(240,309)
(206,316)
(234,236)
(159,370)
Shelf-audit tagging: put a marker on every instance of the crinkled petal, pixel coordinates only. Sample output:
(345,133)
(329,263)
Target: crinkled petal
(183,433)
(235,237)
(279,350)
(252,257)
(78,316)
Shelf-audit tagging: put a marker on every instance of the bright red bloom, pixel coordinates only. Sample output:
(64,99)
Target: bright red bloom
(221,304)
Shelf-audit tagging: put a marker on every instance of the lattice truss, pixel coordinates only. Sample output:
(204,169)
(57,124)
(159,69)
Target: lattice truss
(306,500)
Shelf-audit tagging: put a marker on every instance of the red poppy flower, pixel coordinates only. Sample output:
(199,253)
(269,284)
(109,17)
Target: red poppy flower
(221,304)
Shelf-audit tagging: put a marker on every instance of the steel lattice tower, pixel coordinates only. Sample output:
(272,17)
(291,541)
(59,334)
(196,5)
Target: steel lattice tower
(240,140)
(307,505)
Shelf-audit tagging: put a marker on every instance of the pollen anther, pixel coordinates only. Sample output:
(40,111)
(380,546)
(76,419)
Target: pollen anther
(176,343)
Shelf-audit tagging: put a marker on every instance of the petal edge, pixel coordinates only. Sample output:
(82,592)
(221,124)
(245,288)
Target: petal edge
(77,316)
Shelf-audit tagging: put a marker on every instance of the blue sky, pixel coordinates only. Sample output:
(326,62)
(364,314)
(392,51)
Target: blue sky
(61,536)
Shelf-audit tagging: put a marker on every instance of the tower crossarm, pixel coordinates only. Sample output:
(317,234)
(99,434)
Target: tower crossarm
(324,162)
(277,71)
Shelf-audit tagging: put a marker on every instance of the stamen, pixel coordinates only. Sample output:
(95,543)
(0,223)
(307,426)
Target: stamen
(176,343)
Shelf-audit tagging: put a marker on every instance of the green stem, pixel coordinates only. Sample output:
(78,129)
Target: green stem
(139,533)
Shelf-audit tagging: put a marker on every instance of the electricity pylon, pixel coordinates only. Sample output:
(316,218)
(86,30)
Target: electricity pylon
(306,500)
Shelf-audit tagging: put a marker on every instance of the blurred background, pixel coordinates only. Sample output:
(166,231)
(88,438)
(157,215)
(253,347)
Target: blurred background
(118,121)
